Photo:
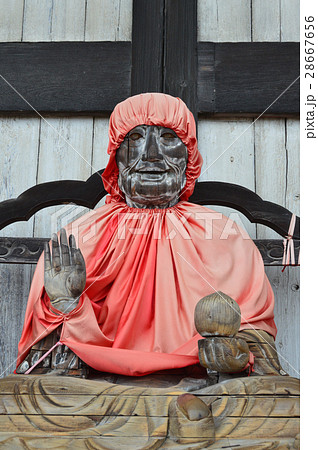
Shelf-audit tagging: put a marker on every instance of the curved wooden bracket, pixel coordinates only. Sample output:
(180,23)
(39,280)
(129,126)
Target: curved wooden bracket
(88,193)
(248,203)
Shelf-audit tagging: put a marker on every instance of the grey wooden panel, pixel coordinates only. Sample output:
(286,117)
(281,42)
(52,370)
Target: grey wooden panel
(289,16)
(100,156)
(224,21)
(76,20)
(265,21)
(14,288)
(68,20)
(287,307)
(270,165)
(108,20)
(37,20)
(65,152)
(227,148)
(11,18)
(239,20)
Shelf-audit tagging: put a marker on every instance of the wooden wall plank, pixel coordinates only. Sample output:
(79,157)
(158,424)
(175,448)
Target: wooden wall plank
(108,20)
(68,20)
(234,164)
(147,54)
(220,21)
(100,156)
(65,153)
(292,154)
(289,14)
(37,22)
(11,19)
(286,290)
(265,20)
(18,161)
(51,20)
(241,20)
(14,289)
(270,165)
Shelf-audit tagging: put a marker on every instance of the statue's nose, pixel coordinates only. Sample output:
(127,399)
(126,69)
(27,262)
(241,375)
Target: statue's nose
(152,149)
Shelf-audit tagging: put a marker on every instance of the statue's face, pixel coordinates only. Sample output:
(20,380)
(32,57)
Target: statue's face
(152,162)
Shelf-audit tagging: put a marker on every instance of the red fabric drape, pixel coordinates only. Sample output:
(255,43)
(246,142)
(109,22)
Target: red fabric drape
(146,270)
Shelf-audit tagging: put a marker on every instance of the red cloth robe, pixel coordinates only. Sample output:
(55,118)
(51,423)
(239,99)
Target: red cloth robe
(146,271)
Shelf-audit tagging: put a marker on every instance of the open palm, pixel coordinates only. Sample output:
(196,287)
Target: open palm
(64,272)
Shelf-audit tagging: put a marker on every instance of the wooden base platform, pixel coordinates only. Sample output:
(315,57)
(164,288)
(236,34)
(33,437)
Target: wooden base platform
(47,411)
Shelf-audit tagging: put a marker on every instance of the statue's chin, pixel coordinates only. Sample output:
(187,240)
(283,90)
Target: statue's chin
(143,193)
(152,202)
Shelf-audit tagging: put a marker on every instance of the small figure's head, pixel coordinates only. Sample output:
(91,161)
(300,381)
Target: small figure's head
(154,159)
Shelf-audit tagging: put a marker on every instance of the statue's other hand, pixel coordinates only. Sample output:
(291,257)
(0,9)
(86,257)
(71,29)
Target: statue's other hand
(64,272)
(224,354)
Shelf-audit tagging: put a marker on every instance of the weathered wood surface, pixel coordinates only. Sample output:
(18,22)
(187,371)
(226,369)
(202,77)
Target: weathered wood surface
(112,20)
(11,19)
(74,20)
(286,289)
(248,78)
(147,54)
(180,76)
(65,76)
(253,410)
(28,250)
(244,20)
(235,78)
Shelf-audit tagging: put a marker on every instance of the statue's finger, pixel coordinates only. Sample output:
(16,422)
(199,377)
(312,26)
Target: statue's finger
(65,253)
(47,257)
(72,242)
(79,259)
(56,260)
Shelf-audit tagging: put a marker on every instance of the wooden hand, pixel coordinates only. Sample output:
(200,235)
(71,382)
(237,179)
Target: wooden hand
(224,354)
(64,272)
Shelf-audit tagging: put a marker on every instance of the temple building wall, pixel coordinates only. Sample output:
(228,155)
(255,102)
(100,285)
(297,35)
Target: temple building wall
(262,156)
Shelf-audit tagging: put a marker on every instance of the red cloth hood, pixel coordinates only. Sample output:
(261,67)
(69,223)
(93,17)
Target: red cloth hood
(152,109)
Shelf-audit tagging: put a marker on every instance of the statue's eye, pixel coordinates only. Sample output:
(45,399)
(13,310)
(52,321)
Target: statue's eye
(135,136)
(168,135)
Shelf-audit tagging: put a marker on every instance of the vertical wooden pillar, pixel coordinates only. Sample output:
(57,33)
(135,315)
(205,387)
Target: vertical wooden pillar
(164,49)
(180,57)
(147,46)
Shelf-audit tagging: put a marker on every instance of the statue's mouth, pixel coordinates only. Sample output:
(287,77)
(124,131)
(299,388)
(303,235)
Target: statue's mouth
(152,175)
(153,170)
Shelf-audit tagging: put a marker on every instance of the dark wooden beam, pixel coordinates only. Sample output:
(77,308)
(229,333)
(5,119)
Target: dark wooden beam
(16,250)
(65,76)
(92,77)
(180,59)
(248,77)
(147,46)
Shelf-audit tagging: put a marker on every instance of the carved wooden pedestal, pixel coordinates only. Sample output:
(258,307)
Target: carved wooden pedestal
(43,411)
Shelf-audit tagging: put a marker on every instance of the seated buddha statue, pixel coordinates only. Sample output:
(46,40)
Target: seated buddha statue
(119,295)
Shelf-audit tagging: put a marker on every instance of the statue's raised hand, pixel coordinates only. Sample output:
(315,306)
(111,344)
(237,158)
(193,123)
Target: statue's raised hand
(64,272)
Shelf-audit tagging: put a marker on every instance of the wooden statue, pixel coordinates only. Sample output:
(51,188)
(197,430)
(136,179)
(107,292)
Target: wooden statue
(243,401)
